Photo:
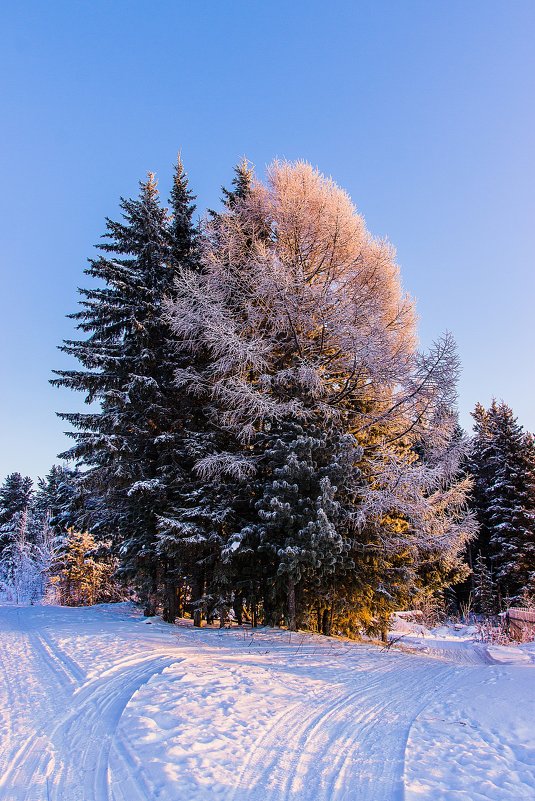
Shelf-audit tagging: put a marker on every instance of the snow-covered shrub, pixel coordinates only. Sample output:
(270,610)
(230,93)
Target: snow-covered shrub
(491,632)
(501,633)
(431,610)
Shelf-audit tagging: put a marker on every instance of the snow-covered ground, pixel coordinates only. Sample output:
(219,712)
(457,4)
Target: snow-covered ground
(97,704)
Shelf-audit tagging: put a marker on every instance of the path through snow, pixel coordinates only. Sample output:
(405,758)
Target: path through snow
(99,705)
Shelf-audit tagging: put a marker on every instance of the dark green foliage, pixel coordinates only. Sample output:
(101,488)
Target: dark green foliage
(58,499)
(302,523)
(15,495)
(127,442)
(15,498)
(503,466)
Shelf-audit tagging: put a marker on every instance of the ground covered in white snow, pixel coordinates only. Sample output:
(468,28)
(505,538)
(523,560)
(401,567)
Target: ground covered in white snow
(99,705)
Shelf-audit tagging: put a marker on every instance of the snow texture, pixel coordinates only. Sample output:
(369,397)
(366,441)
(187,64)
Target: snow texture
(101,704)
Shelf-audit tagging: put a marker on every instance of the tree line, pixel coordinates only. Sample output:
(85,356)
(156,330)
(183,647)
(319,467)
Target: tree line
(263,435)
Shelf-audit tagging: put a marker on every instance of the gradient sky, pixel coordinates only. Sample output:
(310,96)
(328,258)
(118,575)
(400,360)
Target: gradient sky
(423,111)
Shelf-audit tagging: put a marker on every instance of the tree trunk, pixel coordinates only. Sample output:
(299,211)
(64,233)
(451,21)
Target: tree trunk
(223,615)
(171,603)
(237,608)
(180,600)
(326,623)
(291,605)
(196,595)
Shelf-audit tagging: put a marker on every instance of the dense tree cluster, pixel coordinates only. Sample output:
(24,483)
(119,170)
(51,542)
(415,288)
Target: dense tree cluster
(31,526)
(41,553)
(502,463)
(263,437)
(263,434)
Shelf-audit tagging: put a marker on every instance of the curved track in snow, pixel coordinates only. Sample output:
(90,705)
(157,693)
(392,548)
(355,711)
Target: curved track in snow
(68,757)
(346,744)
(97,706)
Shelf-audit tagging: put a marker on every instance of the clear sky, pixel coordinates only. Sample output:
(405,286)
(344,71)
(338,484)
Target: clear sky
(423,111)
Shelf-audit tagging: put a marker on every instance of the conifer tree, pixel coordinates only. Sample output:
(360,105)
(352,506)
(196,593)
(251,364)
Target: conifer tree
(502,463)
(128,366)
(241,186)
(56,499)
(300,535)
(191,529)
(15,495)
(15,498)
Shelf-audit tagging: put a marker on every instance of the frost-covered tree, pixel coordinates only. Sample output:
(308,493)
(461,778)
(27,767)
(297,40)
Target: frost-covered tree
(32,535)
(303,321)
(20,575)
(127,440)
(202,506)
(502,463)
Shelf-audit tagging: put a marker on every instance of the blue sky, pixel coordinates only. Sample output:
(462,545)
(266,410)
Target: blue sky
(423,111)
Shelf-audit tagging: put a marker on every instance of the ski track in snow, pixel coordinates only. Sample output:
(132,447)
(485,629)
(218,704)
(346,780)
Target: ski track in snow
(98,706)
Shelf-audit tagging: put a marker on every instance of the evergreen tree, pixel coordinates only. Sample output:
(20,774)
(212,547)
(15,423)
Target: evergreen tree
(301,533)
(192,529)
(15,495)
(182,231)
(128,363)
(15,498)
(502,463)
(57,500)
(241,186)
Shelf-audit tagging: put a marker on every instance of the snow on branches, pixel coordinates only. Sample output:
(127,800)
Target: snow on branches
(303,317)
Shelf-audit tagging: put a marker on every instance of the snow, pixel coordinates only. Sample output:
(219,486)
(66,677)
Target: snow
(101,704)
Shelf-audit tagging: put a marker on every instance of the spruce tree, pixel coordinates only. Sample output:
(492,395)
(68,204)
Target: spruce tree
(199,511)
(241,185)
(128,370)
(15,499)
(502,463)
(15,495)
(300,534)
(57,499)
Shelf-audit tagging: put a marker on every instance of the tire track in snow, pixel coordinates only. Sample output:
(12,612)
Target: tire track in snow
(65,662)
(371,764)
(271,766)
(74,756)
(350,746)
(34,751)
(53,659)
(127,780)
